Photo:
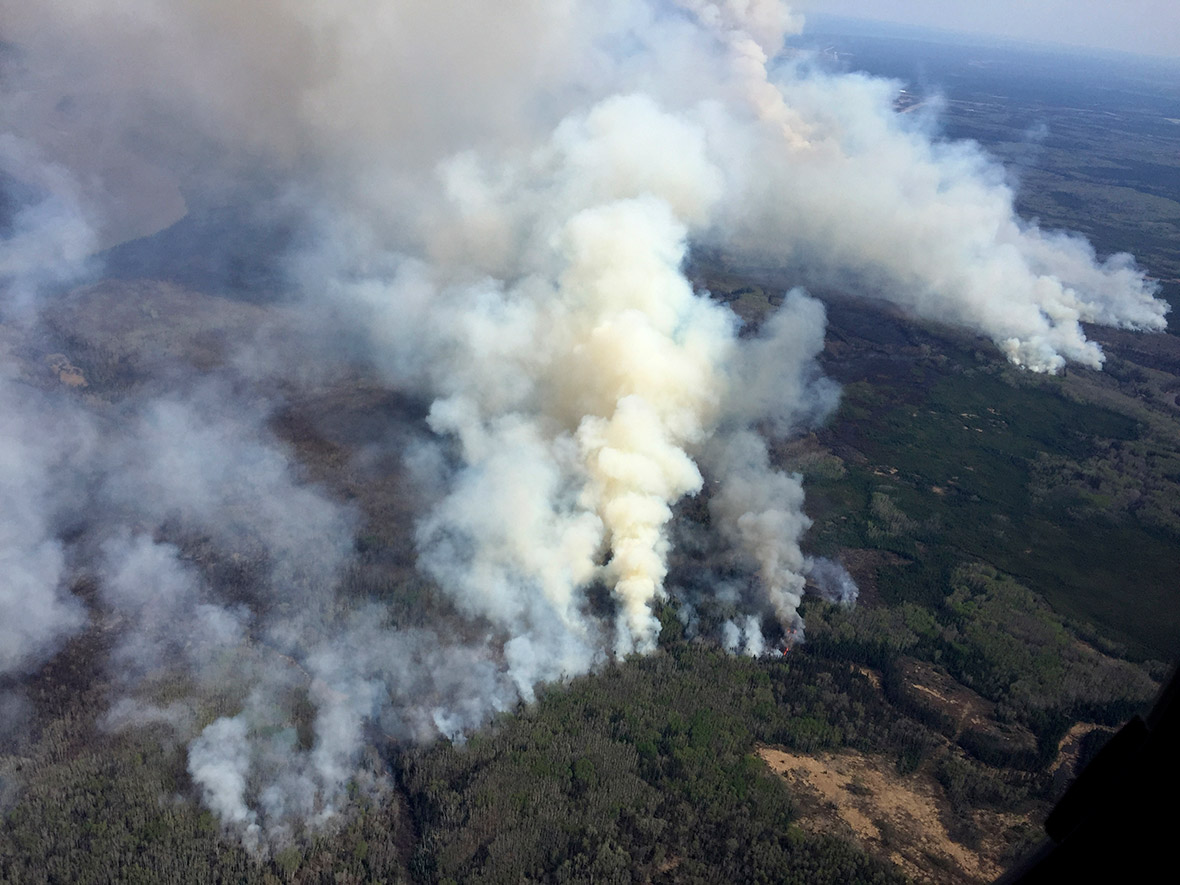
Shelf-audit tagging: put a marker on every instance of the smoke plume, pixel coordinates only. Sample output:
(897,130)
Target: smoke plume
(490,207)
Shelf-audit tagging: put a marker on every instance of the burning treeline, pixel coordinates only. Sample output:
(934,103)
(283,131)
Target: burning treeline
(492,207)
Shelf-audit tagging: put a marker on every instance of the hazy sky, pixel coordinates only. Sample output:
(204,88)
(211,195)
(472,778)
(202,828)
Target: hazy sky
(1150,27)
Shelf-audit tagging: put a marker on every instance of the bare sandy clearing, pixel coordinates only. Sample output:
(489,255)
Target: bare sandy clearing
(892,816)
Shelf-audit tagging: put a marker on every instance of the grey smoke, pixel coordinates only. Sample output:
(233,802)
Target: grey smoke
(49,239)
(46,243)
(201,459)
(494,207)
(832,580)
(39,445)
(153,590)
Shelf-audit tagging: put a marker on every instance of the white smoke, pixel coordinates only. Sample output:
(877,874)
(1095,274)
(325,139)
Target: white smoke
(219,760)
(495,205)
(760,511)
(930,226)
(744,638)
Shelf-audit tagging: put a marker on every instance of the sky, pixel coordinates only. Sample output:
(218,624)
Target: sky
(1146,27)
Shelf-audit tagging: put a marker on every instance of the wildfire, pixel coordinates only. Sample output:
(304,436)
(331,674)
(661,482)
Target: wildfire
(790,641)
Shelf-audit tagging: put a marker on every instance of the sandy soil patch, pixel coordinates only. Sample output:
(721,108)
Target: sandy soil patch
(1070,747)
(896,817)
